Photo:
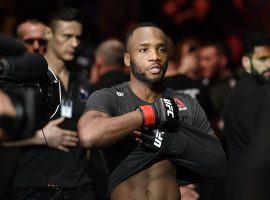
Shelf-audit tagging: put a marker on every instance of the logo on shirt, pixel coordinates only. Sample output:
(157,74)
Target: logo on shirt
(120,94)
(180,104)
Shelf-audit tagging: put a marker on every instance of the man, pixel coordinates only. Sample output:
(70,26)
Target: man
(58,172)
(182,82)
(214,72)
(109,64)
(243,107)
(32,34)
(148,169)
(188,61)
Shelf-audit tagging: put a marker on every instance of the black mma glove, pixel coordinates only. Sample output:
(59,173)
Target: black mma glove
(163,111)
(153,140)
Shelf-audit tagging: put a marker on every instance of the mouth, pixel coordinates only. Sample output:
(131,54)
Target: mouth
(266,73)
(155,69)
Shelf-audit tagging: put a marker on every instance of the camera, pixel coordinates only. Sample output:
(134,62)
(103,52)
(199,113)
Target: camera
(34,91)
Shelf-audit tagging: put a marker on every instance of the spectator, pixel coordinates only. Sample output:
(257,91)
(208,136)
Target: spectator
(109,64)
(242,109)
(32,34)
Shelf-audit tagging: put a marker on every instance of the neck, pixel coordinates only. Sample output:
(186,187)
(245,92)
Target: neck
(56,64)
(145,91)
(58,67)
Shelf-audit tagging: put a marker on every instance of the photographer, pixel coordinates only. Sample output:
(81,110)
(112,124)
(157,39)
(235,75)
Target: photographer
(60,171)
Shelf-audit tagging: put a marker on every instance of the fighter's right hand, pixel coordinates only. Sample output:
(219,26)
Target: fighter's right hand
(59,138)
(150,140)
(163,111)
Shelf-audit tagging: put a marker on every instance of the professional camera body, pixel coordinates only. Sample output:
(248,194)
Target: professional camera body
(34,91)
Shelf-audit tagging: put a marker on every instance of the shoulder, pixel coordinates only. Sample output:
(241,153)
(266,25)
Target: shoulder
(113,91)
(120,87)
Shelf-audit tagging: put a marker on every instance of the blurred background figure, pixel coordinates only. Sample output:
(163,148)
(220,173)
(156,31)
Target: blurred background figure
(32,34)
(245,116)
(214,72)
(63,172)
(183,80)
(187,54)
(109,64)
(258,173)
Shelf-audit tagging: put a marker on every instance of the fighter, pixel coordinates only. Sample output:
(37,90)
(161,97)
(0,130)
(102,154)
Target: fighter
(154,137)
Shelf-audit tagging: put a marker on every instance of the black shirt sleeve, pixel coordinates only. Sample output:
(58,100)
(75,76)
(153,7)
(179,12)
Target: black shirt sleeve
(199,118)
(195,149)
(103,101)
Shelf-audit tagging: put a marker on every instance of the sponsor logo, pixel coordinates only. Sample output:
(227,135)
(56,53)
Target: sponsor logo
(120,94)
(158,138)
(168,104)
(180,104)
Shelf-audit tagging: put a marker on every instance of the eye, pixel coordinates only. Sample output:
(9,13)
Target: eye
(143,50)
(263,59)
(78,38)
(67,36)
(162,49)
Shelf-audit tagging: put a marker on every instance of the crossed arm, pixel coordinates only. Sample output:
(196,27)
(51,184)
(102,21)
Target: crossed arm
(98,129)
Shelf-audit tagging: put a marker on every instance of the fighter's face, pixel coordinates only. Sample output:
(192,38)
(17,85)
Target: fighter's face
(147,55)
(33,37)
(260,61)
(65,39)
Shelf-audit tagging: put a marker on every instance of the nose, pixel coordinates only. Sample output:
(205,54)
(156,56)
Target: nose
(36,45)
(75,42)
(154,55)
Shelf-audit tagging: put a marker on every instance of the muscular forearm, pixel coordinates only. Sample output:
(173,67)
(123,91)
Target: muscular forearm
(101,131)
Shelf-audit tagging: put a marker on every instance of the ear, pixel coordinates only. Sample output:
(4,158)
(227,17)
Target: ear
(246,62)
(127,59)
(48,33)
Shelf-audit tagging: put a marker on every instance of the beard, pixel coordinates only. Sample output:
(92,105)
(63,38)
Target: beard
(258,75)
(142,76)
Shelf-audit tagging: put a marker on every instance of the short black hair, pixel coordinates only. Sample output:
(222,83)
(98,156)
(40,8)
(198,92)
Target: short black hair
(65,14)
(140,25)
(255,39)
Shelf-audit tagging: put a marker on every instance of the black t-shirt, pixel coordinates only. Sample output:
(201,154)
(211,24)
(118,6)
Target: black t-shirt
(119,100)
(241,109)
(40,165)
